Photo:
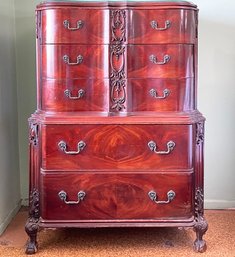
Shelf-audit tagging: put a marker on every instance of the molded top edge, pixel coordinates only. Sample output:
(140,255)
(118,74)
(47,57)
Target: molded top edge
(128,3)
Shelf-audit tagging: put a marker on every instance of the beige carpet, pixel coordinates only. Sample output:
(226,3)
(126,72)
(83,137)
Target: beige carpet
(123,242)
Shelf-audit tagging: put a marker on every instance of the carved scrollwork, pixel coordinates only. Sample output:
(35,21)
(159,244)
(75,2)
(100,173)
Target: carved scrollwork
(117,60)
(118,26)
(33,133)
(200,132)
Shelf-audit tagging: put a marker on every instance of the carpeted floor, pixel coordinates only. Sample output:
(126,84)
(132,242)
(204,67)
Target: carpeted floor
(123,242)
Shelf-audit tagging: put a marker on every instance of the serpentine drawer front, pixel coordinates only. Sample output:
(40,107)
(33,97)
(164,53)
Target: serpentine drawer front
(116,139)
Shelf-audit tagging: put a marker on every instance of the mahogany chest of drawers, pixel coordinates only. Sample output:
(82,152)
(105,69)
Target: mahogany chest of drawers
(116,139)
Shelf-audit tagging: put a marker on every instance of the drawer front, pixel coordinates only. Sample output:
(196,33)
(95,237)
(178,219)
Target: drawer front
(161,94)
(116,196)
(116,147)
(160,61)
(75,61)
(75,95)
(73,25)
(162,26)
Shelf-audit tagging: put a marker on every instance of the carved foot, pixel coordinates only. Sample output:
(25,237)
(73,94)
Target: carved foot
(31,229)
(200,228)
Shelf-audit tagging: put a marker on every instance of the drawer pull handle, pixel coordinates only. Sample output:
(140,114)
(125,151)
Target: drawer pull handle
(154,60)
(81,93)
(153,147)
(154,94)
(63,147)
(80,24)
(67,61)
(154,25)
(63,197)
(154,197)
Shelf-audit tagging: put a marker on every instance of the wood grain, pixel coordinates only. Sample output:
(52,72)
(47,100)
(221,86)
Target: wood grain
(115,147)
(94,30)
(94,65)
(182,26)
(96,96)
(179,66)
(180,98)
(116,196)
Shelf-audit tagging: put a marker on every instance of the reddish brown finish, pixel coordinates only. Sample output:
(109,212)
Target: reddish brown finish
(116,118)
(179,66)
(95,97)
(94,64)
(180,98)
(182,26)
(116,196)
(94,30)
(116,147)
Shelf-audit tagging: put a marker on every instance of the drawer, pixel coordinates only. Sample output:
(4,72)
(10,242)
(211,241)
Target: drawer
(75,95)
(108,197)
(162,26)
(116,147)
(75,61)
(73,25)
(161,94)
(160,61)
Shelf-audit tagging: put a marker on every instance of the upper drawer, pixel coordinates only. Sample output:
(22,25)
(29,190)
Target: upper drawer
(160,61)
(72,25)
(162,26)
(116,147)
(74,95)
(75,61)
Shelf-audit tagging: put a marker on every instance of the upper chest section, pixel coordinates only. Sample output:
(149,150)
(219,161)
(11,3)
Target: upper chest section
(117,22)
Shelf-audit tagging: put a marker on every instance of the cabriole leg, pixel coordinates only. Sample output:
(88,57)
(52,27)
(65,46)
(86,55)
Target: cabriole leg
(200,228)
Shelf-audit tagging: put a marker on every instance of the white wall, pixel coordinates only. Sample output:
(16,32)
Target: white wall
(216,93)
(26,81)
(9,168)
(217,98)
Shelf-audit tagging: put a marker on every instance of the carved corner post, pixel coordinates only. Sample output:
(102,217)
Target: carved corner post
(117,56)
(201,225)
(32,223)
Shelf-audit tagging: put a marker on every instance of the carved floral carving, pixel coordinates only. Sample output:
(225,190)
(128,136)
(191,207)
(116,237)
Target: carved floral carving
(117,60)
(33,133)
(200,132)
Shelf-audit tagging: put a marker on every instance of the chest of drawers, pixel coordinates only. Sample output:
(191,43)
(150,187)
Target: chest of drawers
(116,139)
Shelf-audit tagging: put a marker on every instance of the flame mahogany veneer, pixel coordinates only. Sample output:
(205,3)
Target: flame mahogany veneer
(116,139)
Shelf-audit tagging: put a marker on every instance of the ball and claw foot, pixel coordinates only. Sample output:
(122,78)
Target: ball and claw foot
(199,246)
(200,228)
(31,248)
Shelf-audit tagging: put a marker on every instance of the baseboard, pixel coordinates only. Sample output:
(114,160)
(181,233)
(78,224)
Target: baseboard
(9,217)
(219,204)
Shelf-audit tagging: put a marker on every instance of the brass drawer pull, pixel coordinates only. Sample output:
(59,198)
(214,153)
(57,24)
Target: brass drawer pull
(154,25)
(67,61)
(153,147)
(154,197)
(63,147)
(154,94)
(154,60)
(63,196)
(80,24)
(81,93)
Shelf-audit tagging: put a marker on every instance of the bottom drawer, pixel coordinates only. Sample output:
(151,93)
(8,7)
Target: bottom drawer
(116,196)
